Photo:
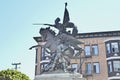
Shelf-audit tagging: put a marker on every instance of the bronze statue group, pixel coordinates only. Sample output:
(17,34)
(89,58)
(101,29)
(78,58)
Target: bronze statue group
(61,46)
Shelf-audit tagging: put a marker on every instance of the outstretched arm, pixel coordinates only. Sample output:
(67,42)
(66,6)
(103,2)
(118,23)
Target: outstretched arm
(44,24)
(49,25)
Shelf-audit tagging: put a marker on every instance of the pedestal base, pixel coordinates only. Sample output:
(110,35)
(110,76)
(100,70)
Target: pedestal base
(60,76)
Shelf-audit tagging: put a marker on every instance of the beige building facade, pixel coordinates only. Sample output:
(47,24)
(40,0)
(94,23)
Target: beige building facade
(100,59)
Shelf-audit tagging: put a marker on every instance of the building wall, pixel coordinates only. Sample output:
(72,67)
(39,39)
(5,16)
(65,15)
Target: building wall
(101,57)
(38,60)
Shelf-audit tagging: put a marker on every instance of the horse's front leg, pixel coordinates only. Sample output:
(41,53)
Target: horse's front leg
(55,58)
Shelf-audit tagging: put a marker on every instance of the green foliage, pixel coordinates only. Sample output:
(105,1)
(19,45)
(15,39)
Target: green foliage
(12,75)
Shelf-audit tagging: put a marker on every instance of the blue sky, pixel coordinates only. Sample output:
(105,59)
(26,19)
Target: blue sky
(17,31)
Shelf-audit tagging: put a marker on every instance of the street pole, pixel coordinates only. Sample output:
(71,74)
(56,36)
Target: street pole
(16,65)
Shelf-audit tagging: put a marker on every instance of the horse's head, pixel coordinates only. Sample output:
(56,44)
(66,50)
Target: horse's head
(47,33)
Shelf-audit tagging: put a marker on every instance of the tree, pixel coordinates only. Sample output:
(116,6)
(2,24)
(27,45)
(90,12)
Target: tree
(10,74)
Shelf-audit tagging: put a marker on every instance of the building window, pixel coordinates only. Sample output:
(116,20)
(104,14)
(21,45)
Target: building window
(116,66)
(87,50)
(35,69)
(76,53)
(36,55)
(43,65)
(96,67)
(95,50)
(114,47)
(88,68)
(42,53)
(75,66)
(108,48)
(110,66)
(47,55)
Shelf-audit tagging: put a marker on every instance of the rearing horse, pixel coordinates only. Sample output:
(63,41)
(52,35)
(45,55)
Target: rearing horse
(60,45)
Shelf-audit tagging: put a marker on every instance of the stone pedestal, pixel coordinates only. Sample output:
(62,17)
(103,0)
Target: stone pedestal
(60,76)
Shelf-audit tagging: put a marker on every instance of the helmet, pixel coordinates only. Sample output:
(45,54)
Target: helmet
(57,20)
